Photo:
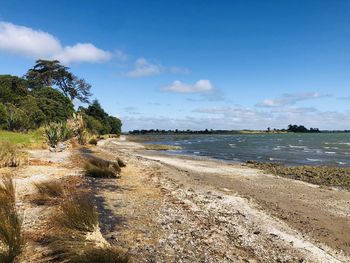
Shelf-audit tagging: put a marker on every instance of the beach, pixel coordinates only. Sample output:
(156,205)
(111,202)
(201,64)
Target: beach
(167,208)
(222,212)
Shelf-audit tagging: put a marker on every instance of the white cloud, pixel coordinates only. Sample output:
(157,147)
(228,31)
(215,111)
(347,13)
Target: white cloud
(290,99)
(201,86)
(144,68)
(82,53)
(39,44)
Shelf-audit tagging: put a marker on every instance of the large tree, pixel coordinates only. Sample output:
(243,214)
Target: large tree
(52,73)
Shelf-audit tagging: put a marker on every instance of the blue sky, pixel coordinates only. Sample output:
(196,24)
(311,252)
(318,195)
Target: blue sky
(194,64)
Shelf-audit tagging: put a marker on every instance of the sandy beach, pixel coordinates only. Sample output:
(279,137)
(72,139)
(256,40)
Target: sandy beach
(168,208)
(203,210)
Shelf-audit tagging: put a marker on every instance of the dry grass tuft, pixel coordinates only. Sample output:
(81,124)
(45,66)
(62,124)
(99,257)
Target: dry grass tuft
(99,168)
(11,238)
(12,155)
(102,255)
(48,191)
(120,162)
(71,243)
(78,213)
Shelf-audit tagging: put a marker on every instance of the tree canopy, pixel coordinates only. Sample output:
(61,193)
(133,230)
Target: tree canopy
(52,73)
(45,95)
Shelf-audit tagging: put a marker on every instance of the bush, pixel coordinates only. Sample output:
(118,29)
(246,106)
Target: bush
(99,168)
(11,238)
(12,155)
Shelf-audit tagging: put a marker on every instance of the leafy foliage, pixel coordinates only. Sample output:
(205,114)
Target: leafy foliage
(98,121)
(46,95)
(52,73)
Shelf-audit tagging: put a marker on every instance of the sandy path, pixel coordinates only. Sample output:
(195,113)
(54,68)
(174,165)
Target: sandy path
(229,213)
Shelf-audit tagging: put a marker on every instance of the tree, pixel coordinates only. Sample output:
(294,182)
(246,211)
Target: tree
(99,121)
(52,73)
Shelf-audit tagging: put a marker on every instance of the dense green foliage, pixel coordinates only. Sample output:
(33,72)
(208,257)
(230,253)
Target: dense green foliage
(22,108)
(46,95)
(98,121)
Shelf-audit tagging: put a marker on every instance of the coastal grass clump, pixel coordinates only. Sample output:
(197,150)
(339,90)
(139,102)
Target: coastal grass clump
(321,175)
(77,237)
(12,155)
(48,191)
(103,255)
(100,168)
(161,147)
(11,237)
(78,213)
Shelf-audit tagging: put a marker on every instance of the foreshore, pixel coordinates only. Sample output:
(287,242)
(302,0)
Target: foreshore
(246,213)
(166,208)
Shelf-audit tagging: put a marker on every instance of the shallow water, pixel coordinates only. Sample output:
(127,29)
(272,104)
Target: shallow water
(292,149)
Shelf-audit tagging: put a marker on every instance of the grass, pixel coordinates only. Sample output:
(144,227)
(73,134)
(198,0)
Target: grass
(69,243)
(12,155)
(99,168)
(48,191)
(102,255)
(30,139)
(78,213)
(161,147)
(321,175)
(11,238)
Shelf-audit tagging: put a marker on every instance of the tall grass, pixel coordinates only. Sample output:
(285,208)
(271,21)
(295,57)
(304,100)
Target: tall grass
(11,238)
(12,155)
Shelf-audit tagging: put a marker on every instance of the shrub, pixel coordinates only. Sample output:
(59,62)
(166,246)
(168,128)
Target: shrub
(99,168)
(11,238)
(12,155)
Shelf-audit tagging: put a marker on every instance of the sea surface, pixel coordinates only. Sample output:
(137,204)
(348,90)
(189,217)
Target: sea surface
(292,148)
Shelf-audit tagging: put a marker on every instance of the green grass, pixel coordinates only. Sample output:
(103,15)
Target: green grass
(26,139)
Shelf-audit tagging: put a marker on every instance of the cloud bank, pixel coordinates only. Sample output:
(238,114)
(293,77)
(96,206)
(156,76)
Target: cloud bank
(37,44)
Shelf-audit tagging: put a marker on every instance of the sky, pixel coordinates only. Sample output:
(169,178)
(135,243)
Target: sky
(246,64)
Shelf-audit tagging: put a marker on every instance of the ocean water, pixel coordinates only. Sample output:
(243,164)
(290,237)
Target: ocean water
(291,149)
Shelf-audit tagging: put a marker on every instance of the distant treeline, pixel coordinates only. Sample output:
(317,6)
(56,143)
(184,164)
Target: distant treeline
(44,95)
(290,128)
(206,131)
